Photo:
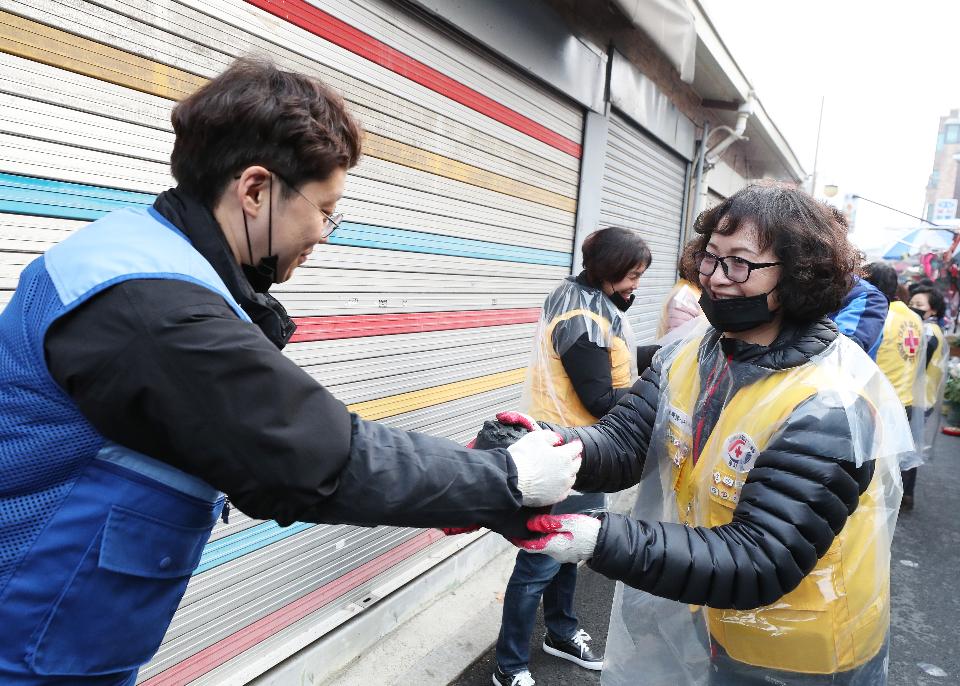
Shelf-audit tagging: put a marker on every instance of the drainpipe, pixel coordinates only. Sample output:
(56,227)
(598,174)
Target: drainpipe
(697,199)
(733,135)
(710,156)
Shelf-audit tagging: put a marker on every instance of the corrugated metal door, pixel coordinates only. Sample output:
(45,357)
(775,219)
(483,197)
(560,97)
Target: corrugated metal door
(643,190)
(419,313)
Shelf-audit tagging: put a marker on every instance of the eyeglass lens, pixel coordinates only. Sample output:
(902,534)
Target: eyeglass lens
(734,268)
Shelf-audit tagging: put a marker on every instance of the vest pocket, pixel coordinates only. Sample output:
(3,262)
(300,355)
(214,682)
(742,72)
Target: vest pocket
(116,608)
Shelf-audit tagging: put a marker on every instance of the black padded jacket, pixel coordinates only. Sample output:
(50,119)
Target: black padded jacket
(795,500)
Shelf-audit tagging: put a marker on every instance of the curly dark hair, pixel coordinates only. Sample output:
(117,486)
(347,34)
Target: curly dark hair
(254,113)
(687,264)
(808,237)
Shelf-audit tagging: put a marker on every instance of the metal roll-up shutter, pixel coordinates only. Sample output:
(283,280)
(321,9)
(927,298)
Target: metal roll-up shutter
(643,185)
(420,312)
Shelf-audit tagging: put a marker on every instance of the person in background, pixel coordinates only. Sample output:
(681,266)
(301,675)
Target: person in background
(902,293)
(583,364)
(929,304)
(862,314)
(682,303)
(899,358)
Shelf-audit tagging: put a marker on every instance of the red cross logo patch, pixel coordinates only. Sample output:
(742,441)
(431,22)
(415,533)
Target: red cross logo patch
(740,452)
(911,341)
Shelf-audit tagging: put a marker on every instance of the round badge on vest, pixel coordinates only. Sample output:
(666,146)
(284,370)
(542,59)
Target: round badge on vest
(740,452)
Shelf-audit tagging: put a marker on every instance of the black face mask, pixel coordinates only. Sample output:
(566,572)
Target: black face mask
(622,304)
(920,313)
(737,314)
(264,274)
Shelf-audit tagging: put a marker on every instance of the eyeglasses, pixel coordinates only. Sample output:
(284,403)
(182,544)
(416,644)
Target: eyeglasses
(736,269)
(331,221)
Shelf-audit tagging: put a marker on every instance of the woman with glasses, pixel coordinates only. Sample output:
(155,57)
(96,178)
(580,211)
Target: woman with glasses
(758,551)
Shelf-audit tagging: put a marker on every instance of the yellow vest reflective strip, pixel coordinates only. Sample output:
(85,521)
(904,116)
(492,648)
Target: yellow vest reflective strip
(935,364)
(552,395)
(899,353)
(837,618)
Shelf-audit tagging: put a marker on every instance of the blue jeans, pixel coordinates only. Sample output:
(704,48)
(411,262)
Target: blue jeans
(535,575)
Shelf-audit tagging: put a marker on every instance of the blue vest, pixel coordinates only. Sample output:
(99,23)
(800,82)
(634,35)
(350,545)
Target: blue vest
(97,542)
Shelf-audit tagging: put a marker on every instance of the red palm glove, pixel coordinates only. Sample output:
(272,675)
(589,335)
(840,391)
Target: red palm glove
(569,537)
(515,418)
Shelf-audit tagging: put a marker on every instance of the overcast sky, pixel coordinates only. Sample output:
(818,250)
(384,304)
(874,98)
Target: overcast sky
(888,71)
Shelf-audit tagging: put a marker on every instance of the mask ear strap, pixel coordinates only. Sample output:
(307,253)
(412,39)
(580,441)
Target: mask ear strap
(270,218)
(246,230)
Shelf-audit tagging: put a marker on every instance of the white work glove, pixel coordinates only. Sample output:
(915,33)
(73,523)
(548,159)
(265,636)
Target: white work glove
(546,469)
(569,537)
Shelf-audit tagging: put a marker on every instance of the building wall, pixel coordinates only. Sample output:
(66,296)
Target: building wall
(603,24)
(942,184)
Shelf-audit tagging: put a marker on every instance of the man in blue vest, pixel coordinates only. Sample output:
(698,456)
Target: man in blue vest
(862,315)
(142,379)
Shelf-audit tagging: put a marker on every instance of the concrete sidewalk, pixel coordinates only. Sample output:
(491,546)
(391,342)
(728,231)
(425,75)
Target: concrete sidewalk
(441,641)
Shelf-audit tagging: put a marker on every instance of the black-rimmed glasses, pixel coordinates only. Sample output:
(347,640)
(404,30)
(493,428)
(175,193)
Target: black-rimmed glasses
(735,268)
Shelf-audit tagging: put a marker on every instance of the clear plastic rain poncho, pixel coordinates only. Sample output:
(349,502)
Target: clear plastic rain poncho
(936,378)
(658,642)
(570,312)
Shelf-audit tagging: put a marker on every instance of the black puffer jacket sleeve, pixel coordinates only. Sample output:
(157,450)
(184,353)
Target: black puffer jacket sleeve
(614,449)
(404,478)
(795,501)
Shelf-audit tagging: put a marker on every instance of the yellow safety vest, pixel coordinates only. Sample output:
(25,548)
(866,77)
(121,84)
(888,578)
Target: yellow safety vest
(837,618)
(899,353)
(935,364)
(552,395)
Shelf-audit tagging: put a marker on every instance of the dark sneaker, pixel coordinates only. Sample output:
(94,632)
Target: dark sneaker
(574,649)
(906,503)
(501,678)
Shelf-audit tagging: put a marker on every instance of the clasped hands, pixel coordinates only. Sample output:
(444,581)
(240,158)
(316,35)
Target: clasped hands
(546,471)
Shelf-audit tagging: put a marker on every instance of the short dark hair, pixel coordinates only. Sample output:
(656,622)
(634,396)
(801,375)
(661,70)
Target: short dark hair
(608,254)
(938,303)
(808,237)
(884,277)
(254,113)
(925,282)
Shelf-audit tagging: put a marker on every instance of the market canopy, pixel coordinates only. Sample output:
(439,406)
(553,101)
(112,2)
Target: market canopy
(918,241)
